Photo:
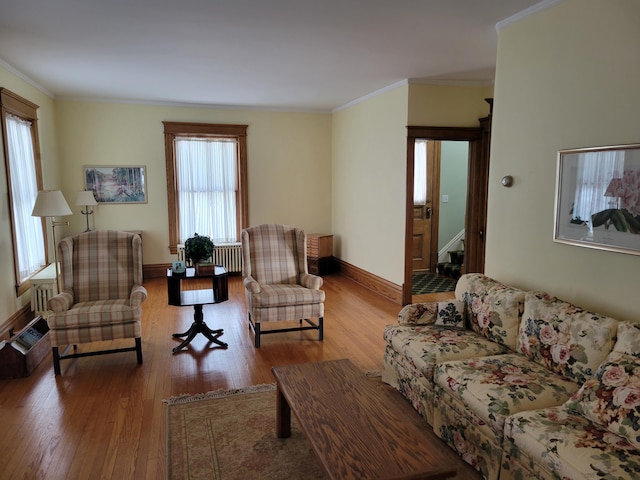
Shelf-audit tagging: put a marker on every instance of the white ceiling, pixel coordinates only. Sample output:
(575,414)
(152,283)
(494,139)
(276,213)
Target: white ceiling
(312,55)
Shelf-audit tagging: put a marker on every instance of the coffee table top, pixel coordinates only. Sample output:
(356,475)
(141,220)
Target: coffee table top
(359,429)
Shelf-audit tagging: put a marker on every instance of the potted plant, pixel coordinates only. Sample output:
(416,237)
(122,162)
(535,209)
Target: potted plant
(198,248)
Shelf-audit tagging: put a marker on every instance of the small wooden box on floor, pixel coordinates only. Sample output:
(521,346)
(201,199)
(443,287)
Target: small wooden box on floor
(21,354)
(320,254)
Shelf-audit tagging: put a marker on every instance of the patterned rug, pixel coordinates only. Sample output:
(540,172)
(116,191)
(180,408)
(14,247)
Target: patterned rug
(431,283)
(232,435)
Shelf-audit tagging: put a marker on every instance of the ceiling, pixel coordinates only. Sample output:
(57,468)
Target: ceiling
(308,55)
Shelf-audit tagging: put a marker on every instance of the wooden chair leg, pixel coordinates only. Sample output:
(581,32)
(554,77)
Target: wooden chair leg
(56,360)
(320,328)
(256,331)
(139,350)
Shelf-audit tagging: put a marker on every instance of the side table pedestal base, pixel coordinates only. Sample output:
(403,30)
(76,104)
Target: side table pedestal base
(199,326)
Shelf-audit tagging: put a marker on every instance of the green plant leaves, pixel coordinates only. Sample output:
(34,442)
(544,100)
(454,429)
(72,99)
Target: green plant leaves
(621,219)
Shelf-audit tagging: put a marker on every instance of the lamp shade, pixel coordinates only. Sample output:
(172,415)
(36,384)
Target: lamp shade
(50,203)
(86,198)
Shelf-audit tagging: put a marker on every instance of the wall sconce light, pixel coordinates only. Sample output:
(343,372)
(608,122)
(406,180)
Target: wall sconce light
(87,199)
(507,181)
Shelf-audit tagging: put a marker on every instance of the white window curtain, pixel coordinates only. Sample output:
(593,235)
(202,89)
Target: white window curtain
(24,190)
(595,172)
(420,172)
(207,185)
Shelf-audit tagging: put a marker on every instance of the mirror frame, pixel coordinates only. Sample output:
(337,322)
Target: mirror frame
(615,229)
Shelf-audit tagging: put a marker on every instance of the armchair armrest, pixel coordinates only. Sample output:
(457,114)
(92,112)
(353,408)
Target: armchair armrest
(251,284)
(418,314)
(311,281)
(138,295)
(61,302)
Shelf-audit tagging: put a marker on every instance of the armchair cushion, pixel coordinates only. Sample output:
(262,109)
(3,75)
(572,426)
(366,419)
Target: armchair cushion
(275,295)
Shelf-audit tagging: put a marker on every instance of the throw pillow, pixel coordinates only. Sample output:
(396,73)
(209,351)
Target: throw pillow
(611,398)
(628,339)
(450,315)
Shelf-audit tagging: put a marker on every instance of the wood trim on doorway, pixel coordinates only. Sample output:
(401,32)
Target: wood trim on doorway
(475,222)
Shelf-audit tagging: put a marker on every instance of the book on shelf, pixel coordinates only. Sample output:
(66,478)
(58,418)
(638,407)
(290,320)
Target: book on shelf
(28,338)
(22,342)
(19,347)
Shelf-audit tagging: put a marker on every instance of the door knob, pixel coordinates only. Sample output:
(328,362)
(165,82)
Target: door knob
(427,213)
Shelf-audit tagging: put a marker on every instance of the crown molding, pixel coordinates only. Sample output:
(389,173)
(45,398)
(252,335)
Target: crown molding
(22,76)
(538,7)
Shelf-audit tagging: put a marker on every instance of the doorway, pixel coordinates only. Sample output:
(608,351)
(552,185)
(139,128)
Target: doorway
(439,203)
(476,198)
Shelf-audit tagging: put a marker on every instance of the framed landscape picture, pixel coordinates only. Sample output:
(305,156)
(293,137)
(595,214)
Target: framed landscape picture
(116,184)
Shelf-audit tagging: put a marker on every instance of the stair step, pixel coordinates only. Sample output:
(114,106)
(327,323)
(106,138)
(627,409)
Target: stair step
(448,269)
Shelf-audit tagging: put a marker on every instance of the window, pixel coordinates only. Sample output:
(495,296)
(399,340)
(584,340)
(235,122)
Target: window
(593,179)
(24,179)
(206,181)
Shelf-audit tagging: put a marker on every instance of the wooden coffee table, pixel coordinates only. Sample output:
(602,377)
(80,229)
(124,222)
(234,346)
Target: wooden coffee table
(357,428)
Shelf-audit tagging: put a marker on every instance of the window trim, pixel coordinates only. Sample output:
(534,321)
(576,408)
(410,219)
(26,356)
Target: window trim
(13,104)
(204,130)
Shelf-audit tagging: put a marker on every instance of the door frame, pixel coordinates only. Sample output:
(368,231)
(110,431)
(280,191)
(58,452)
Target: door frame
(477,189)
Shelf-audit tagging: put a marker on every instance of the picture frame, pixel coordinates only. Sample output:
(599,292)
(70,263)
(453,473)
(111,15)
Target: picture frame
(178,267)
(597,202)
(116,184)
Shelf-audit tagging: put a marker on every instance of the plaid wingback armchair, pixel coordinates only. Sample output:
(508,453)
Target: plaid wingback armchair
(101,293)
(277,283)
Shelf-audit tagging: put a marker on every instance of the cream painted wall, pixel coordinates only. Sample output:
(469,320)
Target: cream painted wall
(369,145)
(566,77)
(447,105)
(9,304)
(369,167)
(289,164)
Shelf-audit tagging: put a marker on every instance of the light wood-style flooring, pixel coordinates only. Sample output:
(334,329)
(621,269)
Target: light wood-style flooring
(104,417)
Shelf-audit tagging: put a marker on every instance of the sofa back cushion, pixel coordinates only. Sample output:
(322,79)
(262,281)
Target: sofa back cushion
(611,398)
(564,338)
(493,310)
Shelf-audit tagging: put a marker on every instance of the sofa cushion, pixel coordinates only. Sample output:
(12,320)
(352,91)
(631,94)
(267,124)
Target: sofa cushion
(611,398)
(450,315)
(424,346)
(493,388)
(418,314)
(554,443)
(564,338)
(494,310)
(628,341)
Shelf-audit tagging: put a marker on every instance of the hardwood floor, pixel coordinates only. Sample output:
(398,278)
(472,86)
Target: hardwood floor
(104,416)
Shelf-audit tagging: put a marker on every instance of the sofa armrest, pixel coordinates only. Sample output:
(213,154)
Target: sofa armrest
(311,281)
(61,302)
(251,284)
(138,295)
(418,314)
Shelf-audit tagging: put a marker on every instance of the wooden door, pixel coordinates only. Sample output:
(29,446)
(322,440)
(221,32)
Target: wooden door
(425,210)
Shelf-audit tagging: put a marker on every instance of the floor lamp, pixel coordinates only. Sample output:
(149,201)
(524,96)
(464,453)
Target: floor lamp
(87,199)
(51,203)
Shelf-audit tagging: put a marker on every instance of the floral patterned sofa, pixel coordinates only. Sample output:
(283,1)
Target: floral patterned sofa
(521,384)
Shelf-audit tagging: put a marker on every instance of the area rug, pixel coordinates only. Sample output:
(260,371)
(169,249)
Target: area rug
(422,283)
(231,434)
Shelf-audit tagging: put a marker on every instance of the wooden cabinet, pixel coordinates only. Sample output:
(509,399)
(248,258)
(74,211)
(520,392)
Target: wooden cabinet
(21,354)
(320,254)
